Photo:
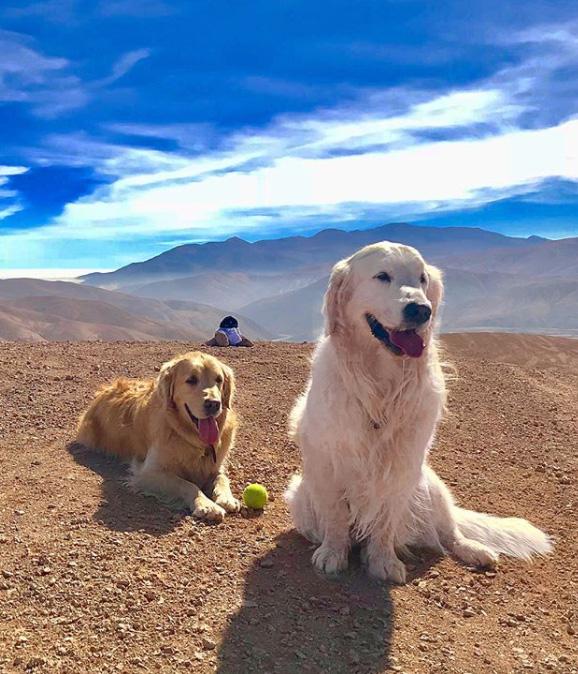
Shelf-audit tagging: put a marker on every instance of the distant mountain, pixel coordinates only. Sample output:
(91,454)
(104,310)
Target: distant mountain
(230,290)
(38,310)
(493,281)
(474,301)
(548,258)
(299,253)
(296,315)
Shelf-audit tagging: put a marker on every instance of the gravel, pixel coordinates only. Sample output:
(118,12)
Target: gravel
(96,579)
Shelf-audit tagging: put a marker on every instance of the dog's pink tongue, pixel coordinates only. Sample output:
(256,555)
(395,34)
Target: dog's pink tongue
(208,430)
(408,341)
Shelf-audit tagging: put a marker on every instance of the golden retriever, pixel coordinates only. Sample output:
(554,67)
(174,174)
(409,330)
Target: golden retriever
(367,421)
(176,431)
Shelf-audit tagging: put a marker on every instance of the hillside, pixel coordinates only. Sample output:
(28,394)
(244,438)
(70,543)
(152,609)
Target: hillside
(97,579)
(229,290)
(474,301)
(549,258)
(57,318)
(36,310)
(494,282)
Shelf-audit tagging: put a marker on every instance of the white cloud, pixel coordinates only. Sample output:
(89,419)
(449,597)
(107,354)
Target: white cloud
(124,65)
(275,173)
(395,151)
(48,84)
(9,198)
(12,170)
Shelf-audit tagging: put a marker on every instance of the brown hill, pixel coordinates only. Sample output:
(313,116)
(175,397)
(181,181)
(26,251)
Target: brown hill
(229,290)
(527,351)
(39,310)
(97,579)
(58,318)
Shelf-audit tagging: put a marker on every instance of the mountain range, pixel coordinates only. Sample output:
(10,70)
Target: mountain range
(35,310)
(276,287)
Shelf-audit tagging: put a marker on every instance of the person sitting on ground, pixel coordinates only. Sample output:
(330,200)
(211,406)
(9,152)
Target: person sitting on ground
(228,334)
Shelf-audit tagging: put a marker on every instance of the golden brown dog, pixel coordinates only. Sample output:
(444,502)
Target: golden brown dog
(176,430)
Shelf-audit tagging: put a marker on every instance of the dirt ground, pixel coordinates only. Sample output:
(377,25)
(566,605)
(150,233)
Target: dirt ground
(96,579)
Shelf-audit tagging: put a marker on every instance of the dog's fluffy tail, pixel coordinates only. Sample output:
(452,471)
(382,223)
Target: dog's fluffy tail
(302,509)
(507,535)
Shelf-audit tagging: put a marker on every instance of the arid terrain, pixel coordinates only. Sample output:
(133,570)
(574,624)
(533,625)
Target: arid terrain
(96,579)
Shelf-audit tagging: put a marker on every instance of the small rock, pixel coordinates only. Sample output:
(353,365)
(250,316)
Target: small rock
(266,563)
(469,612)
(209,644)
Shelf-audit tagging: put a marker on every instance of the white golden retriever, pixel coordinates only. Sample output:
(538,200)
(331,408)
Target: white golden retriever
(367,420)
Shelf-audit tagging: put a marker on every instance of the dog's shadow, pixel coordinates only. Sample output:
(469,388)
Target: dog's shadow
(294,620)
(120,508)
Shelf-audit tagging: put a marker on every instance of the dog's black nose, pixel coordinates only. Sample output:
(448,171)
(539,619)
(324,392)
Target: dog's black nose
(212,407)
(416,313)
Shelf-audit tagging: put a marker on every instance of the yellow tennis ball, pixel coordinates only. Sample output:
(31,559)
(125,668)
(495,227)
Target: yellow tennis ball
(255,496)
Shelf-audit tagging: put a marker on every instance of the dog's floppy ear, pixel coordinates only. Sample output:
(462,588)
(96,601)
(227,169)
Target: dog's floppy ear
(336,296)
(228,386)
(435,288)
(166,382)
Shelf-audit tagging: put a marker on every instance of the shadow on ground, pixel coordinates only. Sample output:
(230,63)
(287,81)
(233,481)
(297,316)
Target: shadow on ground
(121,509)
(293,620)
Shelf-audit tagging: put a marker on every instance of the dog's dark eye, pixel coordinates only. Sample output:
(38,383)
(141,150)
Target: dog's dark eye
(383,276)
(219,379)
(423,279)
(193,380)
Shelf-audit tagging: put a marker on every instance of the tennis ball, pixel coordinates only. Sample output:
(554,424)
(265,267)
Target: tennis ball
(255,496)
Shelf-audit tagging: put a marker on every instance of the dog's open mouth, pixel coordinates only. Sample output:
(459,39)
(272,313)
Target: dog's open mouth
(207,427)
(400,342)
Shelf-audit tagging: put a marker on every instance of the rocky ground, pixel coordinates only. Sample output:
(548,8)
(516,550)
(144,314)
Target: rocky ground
(96,579)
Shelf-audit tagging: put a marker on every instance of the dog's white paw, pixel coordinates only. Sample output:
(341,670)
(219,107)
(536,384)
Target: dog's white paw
(330,561)
(228,502)
(390,569)
(474,553)
(204,509)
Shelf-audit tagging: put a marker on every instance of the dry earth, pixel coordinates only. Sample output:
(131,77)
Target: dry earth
(95,579)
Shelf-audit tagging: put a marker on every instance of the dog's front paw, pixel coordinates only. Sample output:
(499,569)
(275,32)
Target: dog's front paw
(390,569)
(228,502)
(330,561)
(204,509)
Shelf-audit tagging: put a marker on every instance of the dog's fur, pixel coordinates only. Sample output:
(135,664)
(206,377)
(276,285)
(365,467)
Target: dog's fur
(147,423)
(365,425)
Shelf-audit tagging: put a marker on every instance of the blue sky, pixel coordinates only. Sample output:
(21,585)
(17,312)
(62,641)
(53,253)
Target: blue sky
(130,126)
